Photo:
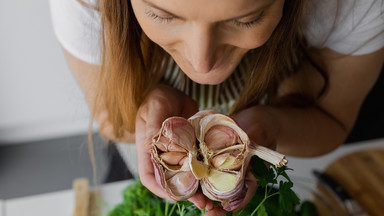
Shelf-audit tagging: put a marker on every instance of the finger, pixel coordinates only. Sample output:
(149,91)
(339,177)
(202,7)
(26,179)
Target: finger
(217,211)
(201,201)
(146,170)
(146,129)
(147,176)
(153,112)
(150,182)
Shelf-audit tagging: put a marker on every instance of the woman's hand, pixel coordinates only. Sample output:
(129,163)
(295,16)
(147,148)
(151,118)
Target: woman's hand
(161,103)
(260,126)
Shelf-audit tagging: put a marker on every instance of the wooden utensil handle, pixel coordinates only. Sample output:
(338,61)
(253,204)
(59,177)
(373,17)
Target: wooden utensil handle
(82,196)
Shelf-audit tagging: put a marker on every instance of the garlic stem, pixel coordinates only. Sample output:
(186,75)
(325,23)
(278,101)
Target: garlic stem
(268,155)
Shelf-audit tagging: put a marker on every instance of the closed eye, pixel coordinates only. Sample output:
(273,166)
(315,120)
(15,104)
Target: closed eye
(158,18)
(248,24)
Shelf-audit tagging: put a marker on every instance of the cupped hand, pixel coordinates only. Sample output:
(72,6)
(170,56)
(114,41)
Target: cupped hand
(161,103)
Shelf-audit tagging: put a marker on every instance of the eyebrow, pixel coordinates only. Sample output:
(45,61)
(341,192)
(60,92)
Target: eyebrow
(151,4)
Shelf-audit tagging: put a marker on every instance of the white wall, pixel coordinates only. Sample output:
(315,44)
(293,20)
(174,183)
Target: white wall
(39,97)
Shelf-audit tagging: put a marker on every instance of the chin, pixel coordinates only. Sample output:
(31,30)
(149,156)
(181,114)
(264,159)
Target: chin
(208,81)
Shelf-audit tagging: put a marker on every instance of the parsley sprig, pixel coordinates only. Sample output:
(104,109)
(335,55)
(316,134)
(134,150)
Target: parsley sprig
(268,179)
(139,201)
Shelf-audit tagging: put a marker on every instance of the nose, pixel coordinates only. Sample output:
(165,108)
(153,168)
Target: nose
(200,48)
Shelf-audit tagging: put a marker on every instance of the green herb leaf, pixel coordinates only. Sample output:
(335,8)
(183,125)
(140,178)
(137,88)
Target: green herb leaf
(262,211)
(229,214)
(185,203)
(262,173)
(287,198)
(307,208)
(216,203)
(281,171)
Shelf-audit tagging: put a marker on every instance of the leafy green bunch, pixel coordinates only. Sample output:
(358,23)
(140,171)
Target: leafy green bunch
(274,197)
(269,199)
(139,201)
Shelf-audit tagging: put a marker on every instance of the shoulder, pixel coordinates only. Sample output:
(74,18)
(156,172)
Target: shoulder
(346,26)
(74,7)
(77,24)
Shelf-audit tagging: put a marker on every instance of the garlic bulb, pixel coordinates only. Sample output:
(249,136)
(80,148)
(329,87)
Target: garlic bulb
(211,149)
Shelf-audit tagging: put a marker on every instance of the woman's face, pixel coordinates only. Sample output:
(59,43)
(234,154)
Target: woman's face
(208,38)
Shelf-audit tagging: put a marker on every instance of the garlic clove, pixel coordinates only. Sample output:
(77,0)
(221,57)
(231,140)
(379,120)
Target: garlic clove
(222,181)
(181,185)
(195,119)
(179,132)
(173,158)
(176,148)
(221,121)
(198,168)
(162,143)
(219,137)
(226,161)
(227,187)
(220,160)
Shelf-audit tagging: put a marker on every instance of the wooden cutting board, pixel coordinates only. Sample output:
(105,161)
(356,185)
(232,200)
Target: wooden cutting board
(362,175)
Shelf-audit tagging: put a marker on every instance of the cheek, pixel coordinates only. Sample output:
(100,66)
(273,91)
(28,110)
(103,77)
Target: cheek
(160,36)
(253,39)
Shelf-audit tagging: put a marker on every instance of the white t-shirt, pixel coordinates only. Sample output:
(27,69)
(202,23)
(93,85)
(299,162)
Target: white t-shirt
(347,26)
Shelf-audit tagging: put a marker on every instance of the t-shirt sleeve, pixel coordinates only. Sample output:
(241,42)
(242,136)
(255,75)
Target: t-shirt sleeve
(352,27)
(77,28)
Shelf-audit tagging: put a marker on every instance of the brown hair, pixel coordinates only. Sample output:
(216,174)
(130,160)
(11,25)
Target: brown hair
(132,64)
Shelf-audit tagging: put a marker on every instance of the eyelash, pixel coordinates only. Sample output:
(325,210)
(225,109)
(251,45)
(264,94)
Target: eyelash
(158,18)
(249,24)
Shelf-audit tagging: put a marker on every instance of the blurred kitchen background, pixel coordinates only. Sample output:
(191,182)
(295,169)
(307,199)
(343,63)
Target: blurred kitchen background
(44,119)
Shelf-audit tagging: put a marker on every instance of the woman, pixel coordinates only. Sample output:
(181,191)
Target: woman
(293,74)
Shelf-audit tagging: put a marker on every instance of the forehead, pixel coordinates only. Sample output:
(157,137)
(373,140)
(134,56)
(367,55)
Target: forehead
(212,10)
